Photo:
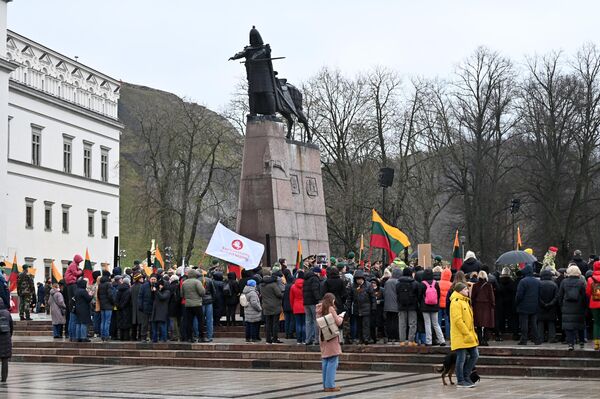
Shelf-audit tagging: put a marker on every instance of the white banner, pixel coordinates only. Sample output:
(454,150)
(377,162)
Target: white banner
(234,248)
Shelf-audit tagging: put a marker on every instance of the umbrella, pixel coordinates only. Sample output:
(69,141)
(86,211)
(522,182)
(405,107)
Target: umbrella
(515,257)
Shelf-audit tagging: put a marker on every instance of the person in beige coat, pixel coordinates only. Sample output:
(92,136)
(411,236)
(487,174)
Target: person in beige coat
(330,350)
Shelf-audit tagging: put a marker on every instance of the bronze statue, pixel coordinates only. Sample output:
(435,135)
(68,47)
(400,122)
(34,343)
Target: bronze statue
(267,94)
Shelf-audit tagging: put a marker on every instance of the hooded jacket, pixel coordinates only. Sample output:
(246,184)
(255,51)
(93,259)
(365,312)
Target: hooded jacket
(573,312)
(123,303)
(192,290)
(445,285)
(409,288)
(73,272)
(390,297)
(252,312)
(361,300)
(335,285)
(104,293)
(594,279)
(462,328)
(548,297)
(271,296)
(312,289)
(528,292)
(82,303)
(234,287)
(297,296)
(56,302)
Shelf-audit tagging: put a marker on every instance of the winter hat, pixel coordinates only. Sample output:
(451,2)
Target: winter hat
(276,267)
(96,274)
(387,273)
(332,260)
(482,276)
(553,249)
(407,272)
(351,255)
(459,286)
(470,254)
(316,270)
(127,280)
(438,258)
(137,276)
(529,251)
(118,277)
(266,272)
(251,283)
(437,269)
(173,278)
(577,253)
(573,271)
(505,272)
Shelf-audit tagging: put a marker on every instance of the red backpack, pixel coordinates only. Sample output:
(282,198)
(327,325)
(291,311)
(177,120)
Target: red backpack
(595,290)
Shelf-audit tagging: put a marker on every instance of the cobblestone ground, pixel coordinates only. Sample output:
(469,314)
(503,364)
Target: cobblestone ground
(88,381)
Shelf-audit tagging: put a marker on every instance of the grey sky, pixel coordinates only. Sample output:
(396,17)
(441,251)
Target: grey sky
(182,46)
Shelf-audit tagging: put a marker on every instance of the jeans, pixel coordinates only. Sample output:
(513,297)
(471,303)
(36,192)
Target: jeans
(81,331)
(271,327)
(464,367)
(329,366)
(175,328)
(551,330)
(96,319)
(57,330)
(432,318)
(527,321)
(105,316)
(72,326)
(252,330)
(409,316)
(38,306)
(310,313)
(300,328)
(208,318)
(444,321)
(289,326)
(159,331)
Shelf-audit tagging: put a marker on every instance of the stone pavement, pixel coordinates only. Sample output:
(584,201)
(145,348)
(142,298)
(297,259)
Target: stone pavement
(36,380)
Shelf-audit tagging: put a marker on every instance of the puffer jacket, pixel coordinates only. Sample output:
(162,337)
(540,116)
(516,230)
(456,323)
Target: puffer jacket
(445,285)
(271,295)
(252,312)
(192,290)
(361,301)
(105,296)
(390,297)
(462,327)
(312,289)
(573,312)
(335,285)
(594,279)
(528,292)
(73,272)
(548,297)
(297,297)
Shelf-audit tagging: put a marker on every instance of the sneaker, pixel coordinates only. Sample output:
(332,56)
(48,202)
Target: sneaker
(443,344)
(278,341)
(571,347)
(464,384)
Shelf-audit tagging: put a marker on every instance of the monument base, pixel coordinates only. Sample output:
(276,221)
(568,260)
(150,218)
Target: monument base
(281,193)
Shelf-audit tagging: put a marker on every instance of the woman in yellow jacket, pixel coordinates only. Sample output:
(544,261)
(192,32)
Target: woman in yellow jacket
(463,338)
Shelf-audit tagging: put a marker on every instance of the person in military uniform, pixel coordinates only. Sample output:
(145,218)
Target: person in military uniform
(26,292)
(259,71)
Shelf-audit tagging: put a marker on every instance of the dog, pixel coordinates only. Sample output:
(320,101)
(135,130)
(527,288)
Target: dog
(447,369)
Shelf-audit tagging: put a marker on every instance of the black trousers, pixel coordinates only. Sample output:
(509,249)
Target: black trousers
(230,314)
(272,327)
(194,312)
(363,327)
(526,322)
(391,325)
(4,369)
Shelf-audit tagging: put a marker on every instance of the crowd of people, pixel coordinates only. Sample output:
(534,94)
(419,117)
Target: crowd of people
(400,303)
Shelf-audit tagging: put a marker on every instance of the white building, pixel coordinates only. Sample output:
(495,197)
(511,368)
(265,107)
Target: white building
(59,172)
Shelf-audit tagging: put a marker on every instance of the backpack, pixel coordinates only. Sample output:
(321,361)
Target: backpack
(244,301)
(227,291)
(405,293)
(431,297)
(572,293)
(595,290)
(4,325)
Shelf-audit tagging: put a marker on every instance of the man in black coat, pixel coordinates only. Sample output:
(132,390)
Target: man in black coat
(581,264)
(527,302)
(408,294)
(361,302)
(548,305)
(505,305)
(312,296)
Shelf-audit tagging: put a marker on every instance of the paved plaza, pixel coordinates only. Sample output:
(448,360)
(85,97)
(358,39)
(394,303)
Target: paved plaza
(28,381)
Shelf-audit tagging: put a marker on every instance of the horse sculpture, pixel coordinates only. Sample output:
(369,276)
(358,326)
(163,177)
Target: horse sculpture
(290,103)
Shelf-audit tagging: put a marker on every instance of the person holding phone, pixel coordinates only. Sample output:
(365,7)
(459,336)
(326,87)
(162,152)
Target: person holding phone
(330,350)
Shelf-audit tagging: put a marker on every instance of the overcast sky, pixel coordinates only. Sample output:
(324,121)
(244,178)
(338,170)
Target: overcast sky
(182,46)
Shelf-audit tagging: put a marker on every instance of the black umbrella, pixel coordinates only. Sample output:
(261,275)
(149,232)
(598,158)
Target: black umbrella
(515,257)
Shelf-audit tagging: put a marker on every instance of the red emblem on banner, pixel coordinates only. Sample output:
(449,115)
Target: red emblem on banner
(237,244)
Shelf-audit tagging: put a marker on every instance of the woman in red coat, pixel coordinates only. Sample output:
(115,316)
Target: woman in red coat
(484,304)
(297,302)
(592,291)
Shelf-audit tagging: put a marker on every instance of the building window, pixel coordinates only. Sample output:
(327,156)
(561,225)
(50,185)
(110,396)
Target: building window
(48,270)
(65,218)
(104,224)
(91,222)
(104,164)
(67,153)
(29,213)
(87,160)
(36,145)
(48,215)
(65,264)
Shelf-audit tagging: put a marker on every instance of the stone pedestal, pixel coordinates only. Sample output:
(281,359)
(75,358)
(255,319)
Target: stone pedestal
(281,193)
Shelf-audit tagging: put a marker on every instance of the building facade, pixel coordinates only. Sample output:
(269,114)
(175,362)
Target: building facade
(59,172)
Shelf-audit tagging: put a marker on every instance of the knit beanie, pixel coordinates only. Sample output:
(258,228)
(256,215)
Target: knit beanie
(459,286)
(251,283)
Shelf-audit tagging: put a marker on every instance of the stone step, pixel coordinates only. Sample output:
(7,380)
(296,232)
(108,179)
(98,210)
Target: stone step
(296,364)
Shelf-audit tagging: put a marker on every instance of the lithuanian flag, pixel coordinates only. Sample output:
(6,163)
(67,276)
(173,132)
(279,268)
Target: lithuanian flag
(299,255)
(87,268)
(14,275)
(387,237)
(158,260)
(457,259)
(56,274)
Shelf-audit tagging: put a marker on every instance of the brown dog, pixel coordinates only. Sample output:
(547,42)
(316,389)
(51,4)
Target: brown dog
(447,368)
